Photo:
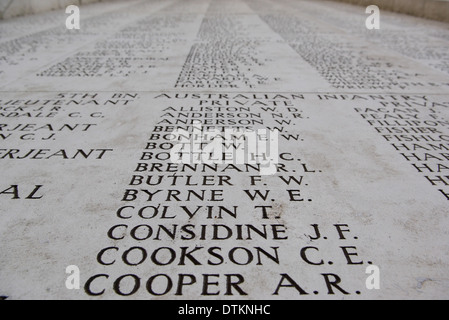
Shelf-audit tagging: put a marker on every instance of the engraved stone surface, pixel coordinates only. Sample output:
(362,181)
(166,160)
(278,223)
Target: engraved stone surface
(89,120)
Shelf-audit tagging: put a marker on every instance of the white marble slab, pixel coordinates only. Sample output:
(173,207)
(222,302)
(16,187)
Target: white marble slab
(86,119)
